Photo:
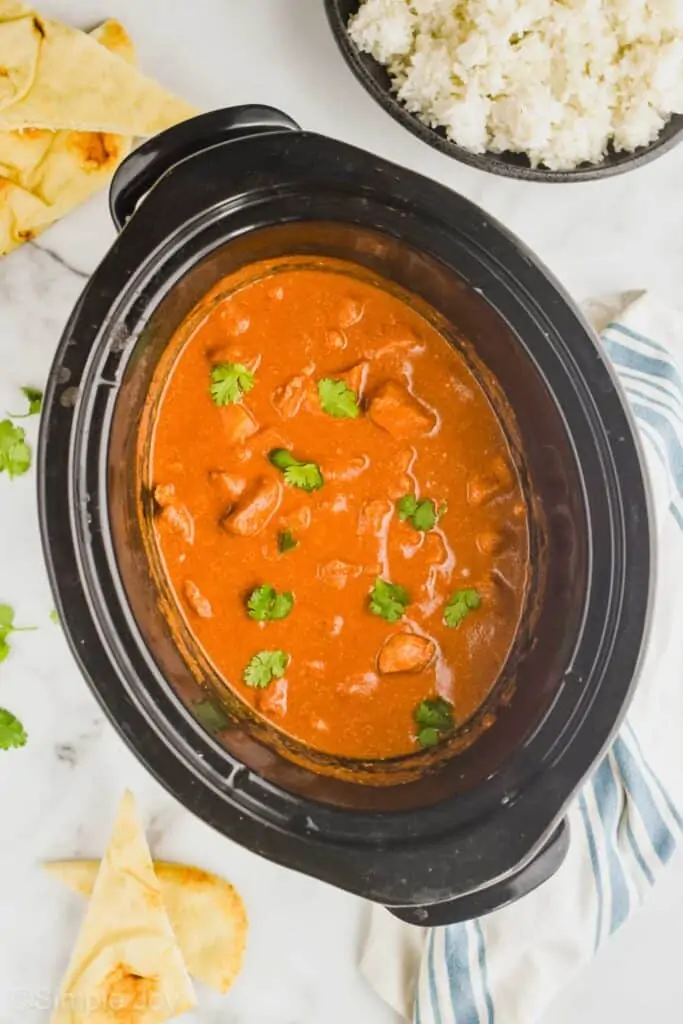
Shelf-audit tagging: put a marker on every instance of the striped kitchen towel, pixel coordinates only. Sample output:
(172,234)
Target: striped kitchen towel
(625,823)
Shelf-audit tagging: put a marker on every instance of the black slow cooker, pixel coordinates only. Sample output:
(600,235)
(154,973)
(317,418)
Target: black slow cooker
(484,827)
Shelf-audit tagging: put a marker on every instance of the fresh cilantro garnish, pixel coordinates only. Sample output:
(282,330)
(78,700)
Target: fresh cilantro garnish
(286,541)
(12,732)
(423,515)
(305,475)
(265,603)
(15,454)
(264,667)
(434,717)
(7,626)
(461,603)
(388,600)
(435,712)
(338,399)
(229,381)
(54,616)
(35,403)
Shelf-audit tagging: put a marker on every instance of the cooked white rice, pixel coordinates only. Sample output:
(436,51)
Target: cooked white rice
(557,81)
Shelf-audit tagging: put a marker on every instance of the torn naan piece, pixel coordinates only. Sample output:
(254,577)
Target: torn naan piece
(76,83)
(206,914)
(126,964)
(44,174)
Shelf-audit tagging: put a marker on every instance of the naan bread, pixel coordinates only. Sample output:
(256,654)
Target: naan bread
(73,82)
(45,174)
(126,965)
(206,914)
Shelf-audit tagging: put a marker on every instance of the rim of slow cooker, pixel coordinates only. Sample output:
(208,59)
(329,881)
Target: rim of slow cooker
(128,711)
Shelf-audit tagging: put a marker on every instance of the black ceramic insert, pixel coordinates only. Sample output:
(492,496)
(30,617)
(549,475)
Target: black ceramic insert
(245,184)
(375,79)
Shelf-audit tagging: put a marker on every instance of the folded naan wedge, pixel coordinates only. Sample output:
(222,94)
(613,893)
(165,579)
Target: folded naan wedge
(59,77)
(207,915)
(126,965)
(44,174)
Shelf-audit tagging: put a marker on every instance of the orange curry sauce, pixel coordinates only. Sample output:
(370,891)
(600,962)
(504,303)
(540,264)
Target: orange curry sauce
(425,430)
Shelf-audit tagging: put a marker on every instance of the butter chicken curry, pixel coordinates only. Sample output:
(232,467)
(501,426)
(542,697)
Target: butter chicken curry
(337,510)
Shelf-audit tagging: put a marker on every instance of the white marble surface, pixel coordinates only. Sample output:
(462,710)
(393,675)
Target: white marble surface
(58,795)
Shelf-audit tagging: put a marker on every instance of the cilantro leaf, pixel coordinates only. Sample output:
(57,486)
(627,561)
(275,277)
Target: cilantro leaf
(406,507)
(286,541)
(12,732)
(338,399)
(229,381)
(35,403)
(423,515)
(461,603)
(15,454)
(308,477)
(305,475)
(388,600)
(434,712)
(428,737)
(7,626)
(434,718)
(265,604)
(264,667)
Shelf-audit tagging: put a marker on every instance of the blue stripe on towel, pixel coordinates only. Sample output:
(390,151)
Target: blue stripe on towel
(667,433)
(607,798)
(417,1016)
(459,977)
(433,989)
(673,810)
(653,366)
(635,849)
(481,945)
(632,388)
(628,332)
(595,863)
(658,831)
(653,437)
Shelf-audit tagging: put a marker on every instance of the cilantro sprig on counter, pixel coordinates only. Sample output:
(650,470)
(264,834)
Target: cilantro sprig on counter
(305,475)
(264,667)
(459,606)
(338,399)
(229,382)
(434,718)
(35,403)
(15,454)
(388,600)
(422,515)
(265,604)
(7,627)
(12,732)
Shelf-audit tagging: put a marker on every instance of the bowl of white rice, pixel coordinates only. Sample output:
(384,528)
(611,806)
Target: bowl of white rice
(537,89)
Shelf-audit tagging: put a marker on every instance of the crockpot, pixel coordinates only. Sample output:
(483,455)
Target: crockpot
(485,825)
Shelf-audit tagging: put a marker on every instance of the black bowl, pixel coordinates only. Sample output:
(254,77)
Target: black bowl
(473,831)
(375,80)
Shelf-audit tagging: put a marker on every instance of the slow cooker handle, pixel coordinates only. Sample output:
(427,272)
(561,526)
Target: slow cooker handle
(493,897)
(145,165)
